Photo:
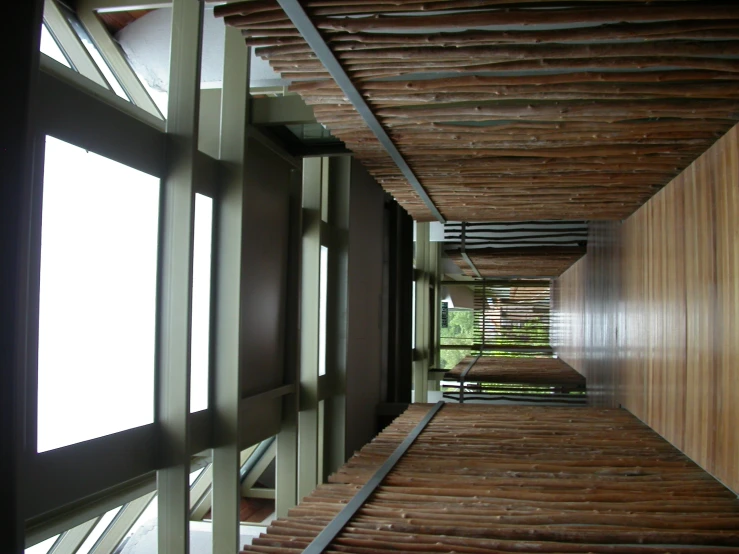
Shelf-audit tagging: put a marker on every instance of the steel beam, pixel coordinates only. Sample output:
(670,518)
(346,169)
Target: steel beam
(260,465)
(71,44)
(281,110)
(310,33)
(121,525)
(71,540)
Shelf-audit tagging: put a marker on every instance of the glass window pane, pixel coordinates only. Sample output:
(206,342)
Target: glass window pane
(200,346)
(50,47)
(97,305)
(322,311)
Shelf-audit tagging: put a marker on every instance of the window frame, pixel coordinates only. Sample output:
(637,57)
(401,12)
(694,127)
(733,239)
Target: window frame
(82,118)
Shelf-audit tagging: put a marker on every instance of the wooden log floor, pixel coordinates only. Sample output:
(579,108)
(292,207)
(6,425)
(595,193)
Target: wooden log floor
(483,479)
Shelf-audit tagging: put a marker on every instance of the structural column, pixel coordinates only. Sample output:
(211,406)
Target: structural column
(176,275)
(308,420)
(229,283)
(336,236)
(16,148)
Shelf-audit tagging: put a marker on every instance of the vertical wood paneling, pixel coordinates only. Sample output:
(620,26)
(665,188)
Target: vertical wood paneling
(725,156)
(700,278)
(666,284)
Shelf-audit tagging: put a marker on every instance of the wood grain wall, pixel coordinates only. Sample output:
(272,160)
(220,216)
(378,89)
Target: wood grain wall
(651,315)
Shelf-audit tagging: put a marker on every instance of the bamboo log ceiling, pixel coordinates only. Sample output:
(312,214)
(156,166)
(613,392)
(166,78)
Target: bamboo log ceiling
(485,479)
(546,261)
(517,110)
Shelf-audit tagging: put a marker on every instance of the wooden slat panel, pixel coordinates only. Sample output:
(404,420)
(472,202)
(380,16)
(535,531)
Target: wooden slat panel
(529,371)
(524,479)
(667,281)
(521,262)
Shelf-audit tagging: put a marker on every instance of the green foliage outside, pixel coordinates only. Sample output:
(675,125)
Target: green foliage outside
(538,332)
(460,331)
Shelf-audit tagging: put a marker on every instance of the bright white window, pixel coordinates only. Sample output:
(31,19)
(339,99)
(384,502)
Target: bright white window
(97,305)
(201,264)
(323,291)
(50,47)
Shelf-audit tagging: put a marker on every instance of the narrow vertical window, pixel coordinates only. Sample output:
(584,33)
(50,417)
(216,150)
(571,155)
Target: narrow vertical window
(201,282)
(323,301)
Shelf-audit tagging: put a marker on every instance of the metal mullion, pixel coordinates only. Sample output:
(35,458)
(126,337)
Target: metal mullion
(308,431)
(176,284)
(286,464)
(116,59)
(120,526)
(71,540)
(228,295)
(71,44)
